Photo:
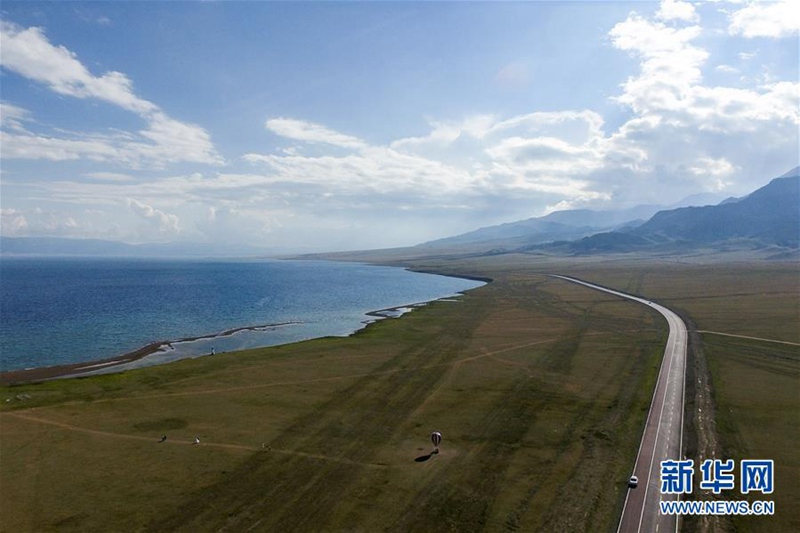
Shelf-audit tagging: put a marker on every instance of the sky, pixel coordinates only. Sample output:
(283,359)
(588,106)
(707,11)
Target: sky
(319,126)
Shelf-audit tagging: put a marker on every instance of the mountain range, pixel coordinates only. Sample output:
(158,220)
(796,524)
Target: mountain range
(768,217)
(566,225)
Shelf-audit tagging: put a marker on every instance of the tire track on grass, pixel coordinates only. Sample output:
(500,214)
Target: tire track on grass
(286,495)
(241,388)
(228,446)
(748,337)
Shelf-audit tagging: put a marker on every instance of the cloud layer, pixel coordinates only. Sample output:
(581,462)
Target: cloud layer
(769,19)
(671,128)
(27,52)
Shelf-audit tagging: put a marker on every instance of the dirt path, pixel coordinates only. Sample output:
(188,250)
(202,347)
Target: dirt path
(747,337)
(227,446)
(109,434)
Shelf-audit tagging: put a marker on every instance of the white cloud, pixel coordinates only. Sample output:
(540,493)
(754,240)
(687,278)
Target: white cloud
(548,155)
(717,168)
(677,10)
(35,222)
(670,63)
(766,19)
(110,177)
(683,132)
(381,170)
(440,136)
(30,146)
(163,222)
(456,162)
(235,225)
(28,53)
(106,189)
(727,69)
(730,110)
(301,130)
(669,84)
(173,140)
(572,126)
(12,117)
(165,141)
(12,222)
(451,142)
(509,153)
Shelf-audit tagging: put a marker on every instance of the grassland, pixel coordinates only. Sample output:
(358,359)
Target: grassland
(539,387)
(754,382)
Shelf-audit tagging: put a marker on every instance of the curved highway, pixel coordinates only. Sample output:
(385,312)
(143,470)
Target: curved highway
(663,433)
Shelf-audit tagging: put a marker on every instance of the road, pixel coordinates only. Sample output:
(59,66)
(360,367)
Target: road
(663,433)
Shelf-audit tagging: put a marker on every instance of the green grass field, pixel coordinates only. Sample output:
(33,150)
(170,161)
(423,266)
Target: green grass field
(539,387)
(755,382)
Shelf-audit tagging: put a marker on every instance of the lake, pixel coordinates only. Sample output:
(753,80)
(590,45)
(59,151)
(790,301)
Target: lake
(56,311)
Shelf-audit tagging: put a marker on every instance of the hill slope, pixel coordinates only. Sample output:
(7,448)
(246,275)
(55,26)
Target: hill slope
(768,217)
(566,225)
(515,234)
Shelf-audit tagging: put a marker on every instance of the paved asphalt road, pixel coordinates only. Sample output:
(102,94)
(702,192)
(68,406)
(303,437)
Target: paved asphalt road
(663,432)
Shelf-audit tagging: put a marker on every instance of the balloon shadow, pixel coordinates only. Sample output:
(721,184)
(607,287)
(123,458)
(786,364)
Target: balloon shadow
(423,458)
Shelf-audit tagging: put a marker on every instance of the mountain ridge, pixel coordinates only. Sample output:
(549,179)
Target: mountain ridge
(767,217)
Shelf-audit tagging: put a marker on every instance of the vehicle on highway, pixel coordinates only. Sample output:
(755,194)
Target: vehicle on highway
(633,482)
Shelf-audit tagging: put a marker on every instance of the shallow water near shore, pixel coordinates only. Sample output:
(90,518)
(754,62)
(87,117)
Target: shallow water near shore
(66,311)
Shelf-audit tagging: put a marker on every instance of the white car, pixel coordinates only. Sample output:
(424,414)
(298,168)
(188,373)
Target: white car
(633,482)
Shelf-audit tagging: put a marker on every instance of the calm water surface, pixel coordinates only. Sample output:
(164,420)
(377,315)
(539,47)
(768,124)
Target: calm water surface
(60,311)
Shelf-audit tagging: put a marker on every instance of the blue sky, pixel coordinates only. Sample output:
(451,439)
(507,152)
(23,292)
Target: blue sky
(342,125)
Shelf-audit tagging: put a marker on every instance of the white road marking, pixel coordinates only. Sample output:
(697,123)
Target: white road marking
(666,381)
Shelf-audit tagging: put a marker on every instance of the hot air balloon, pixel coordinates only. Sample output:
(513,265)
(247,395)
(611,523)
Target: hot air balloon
(436,439)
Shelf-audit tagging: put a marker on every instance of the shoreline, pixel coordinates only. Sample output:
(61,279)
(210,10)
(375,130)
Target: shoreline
(25,376)
(85,368)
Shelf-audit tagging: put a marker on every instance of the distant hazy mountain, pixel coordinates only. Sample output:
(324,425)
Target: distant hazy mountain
(603,219)
(564,225)
(770,216)
(56,246)
(61,246)
(515,234)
